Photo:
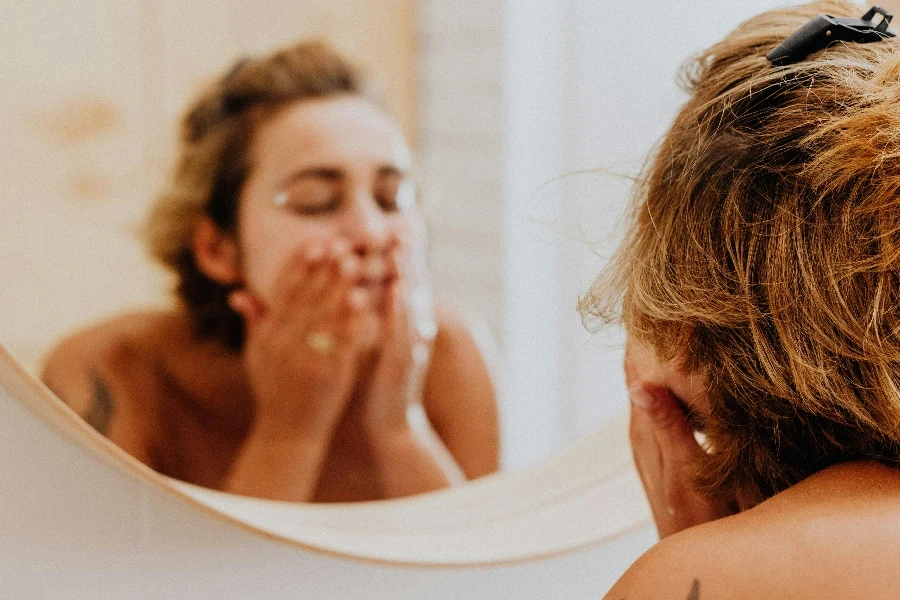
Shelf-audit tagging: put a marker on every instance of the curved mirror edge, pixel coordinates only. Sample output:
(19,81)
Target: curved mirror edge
(574,503)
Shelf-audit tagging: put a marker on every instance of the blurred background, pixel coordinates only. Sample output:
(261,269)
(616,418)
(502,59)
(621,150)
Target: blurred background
(499,98)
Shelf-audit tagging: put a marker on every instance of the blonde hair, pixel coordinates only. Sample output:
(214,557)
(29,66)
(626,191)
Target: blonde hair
(212,164)
(765,253)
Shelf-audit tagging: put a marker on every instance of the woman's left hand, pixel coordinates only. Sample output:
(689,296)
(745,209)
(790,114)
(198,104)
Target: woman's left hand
(667,456)
(384,393)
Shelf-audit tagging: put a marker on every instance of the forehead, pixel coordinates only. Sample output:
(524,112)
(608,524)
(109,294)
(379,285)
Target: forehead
(337,131)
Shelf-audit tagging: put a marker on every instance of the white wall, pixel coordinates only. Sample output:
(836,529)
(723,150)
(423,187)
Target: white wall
(515,93)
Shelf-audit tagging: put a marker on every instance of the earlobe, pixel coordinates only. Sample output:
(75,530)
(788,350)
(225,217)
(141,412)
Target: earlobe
(216,252)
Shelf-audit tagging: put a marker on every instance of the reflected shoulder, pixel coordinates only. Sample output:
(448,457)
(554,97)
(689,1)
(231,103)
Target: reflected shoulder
(460,399)
(82,365)
(457,360)
(110,340)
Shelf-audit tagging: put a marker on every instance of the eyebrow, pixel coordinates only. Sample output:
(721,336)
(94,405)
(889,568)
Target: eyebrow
(336,174)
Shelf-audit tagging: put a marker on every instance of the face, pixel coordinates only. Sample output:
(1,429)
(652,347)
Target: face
(321,170)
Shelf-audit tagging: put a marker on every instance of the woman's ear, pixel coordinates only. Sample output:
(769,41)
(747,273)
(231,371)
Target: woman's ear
(216,252)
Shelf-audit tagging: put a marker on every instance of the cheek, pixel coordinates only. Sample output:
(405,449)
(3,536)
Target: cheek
(268,243)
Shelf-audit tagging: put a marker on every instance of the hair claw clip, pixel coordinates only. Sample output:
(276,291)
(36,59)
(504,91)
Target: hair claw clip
(824,30)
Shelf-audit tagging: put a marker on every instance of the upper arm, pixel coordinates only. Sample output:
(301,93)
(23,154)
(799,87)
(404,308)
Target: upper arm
(460,401)
(726,558)
(87,371)
(66,372)
(660,575)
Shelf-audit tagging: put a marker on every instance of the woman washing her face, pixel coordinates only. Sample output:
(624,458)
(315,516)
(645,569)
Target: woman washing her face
(284,372)
(760,287)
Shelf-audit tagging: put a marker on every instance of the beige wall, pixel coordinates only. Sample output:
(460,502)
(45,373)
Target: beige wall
(91,92)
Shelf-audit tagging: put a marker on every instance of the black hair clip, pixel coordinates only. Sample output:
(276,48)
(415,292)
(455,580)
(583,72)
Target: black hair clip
(824,30)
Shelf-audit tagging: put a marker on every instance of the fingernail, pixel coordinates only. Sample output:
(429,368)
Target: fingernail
(341,247)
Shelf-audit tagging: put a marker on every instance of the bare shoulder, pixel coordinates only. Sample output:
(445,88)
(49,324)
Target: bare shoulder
(83,367)
(459,397)
(832,536)
(457,358)
(692,565)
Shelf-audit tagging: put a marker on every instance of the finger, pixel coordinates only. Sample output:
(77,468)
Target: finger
(352,326)
(671,427)
(394,261)
(326,274)
(331,302)
(293,277)
(648,460)
(645,448)
(374,268)
(642,430)
(246,304)
(395,323)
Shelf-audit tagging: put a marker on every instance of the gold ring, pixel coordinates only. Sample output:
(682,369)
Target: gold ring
(321,341)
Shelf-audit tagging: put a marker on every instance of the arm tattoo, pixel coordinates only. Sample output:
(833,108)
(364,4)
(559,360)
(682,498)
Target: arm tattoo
(695,591)
(102,407)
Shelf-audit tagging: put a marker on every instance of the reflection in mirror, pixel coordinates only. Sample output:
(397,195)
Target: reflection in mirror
(303,334)
(290,204)
(92,133)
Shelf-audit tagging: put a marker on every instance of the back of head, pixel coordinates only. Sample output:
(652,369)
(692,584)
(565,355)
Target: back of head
(212,164)
(765,252)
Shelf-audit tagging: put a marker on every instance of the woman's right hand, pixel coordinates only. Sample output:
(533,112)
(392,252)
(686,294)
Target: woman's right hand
(301,349)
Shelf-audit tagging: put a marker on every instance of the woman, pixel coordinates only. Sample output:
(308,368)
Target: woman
(760,288)
(284,371)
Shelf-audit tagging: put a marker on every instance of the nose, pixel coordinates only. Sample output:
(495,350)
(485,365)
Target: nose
(366,225)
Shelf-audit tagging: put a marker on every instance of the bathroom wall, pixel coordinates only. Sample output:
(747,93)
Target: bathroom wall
(91,92)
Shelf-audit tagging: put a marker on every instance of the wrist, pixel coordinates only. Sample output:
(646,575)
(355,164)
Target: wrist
(396,429)
(277,468)
(281,438)
(389,439)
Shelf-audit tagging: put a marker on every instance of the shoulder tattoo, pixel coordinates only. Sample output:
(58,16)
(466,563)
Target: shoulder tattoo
(695,591)
(102,406)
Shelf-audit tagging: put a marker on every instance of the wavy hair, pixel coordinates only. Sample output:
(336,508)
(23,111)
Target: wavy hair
(212,165)
(764,252)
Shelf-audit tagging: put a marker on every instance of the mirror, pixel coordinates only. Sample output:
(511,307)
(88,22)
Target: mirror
(94,93)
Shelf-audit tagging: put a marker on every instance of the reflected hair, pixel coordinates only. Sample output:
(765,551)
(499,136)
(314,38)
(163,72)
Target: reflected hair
(764,252)
(212,165)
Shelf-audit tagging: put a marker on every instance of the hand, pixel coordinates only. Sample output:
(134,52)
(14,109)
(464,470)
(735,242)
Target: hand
(667,456)
(301,350)
(384,393)
(666,453)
